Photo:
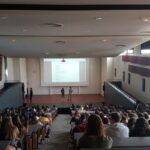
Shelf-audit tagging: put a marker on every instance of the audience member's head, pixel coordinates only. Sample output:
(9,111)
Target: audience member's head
(140,115)
(16,121)
(101,115)
(95,126)
(105,120)
(146,115)
(115,117)
(1,118)
(83,118)
(133,115)
(131,123)
(124,119)
(7,129)
(141,123)
(141,127)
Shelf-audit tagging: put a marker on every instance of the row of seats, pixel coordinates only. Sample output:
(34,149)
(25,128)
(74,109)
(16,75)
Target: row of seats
(85,119)
(30,141)
(123,143)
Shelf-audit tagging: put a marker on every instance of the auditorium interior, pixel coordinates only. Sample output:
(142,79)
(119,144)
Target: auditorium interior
(74,75)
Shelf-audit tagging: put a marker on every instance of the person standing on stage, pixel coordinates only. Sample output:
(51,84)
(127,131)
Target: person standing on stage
(62,92)
(31,95)
(70,94)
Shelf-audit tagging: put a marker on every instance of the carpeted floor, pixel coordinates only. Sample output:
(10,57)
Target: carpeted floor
(59,136)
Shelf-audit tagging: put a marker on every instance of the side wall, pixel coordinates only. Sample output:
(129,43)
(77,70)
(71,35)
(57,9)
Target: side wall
(17,70)
(107,73)
(23,72)
(135,87)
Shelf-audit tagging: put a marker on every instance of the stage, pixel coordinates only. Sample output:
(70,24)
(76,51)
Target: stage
(60,101)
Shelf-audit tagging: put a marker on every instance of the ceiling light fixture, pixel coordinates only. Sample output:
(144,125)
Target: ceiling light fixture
(4,17)
(25,30)
(99,18)
(13,40)
(104,40)
(77,53)
(146,19)
(46,53)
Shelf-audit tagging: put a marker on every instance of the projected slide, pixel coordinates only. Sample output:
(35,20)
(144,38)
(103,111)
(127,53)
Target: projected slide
(65,71)
(55,72)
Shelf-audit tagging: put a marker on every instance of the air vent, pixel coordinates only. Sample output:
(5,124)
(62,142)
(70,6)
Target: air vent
(60,42)
(120,45)
(52,24)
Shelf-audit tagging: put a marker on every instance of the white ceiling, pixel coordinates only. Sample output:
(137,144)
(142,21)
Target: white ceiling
(26,33)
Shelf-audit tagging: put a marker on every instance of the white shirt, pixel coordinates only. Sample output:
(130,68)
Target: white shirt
(118,130)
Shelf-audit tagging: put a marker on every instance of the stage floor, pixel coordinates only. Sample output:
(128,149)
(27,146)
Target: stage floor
(64,102)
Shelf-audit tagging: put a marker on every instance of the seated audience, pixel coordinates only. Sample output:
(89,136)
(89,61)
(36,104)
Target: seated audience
(1,118)
(25,124)
(124,119)
(141,128)
(80,124)
(95,136)
(116,128)
(75,117)
(106,121)
(17,122)
(8,130)
(131,125)
(44,119)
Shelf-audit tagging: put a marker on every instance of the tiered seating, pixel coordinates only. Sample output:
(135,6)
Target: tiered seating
(35,135)
(34,138)
(135,142)
(131,142)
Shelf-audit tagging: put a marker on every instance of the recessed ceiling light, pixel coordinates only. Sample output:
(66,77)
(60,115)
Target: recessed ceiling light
(60,42)
(104,40)
(4,17)
(99,18)
(52,24)
(13,40)
(77,53)
(25,30)
(46,53)
(146,19)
